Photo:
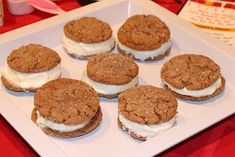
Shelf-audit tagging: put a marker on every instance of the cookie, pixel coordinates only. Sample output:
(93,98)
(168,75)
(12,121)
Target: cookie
(66,108)
(110,74)
(145,111)
(87,36)
(29,67)
(144,37)
(192,77)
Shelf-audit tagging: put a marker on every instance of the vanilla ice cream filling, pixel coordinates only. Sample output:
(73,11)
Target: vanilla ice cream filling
(197,93)
(84,49)
(43,122)
(142,55)
(143,130)
(30,80)
(107,88)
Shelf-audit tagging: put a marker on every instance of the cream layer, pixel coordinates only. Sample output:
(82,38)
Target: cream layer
(108,89)
(84,49)
(43,122)
(143,130)
(30,80)
(197,93)
(142,55)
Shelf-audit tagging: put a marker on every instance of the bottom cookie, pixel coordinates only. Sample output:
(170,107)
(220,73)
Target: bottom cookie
(15,88)
(202,98)
(80,57)
(95,121)
(110,96)
(132,134)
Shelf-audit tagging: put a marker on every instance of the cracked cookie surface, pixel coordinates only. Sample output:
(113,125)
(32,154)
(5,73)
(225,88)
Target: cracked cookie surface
(143,32)
(190,71)
(111,68)
(33,58)
(147,104)
(66,101)
(88,30)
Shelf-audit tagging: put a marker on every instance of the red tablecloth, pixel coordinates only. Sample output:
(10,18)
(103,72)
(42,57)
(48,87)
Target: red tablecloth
(216,141)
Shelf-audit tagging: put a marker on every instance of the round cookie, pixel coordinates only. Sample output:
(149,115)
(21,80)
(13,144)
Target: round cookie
(110,74)
(87,36)
(144,37)
(66,108)
(192,77)
(145,110)
(33,58)
(29,67)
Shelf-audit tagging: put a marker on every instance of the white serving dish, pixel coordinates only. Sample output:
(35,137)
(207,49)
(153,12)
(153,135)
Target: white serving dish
(107,139)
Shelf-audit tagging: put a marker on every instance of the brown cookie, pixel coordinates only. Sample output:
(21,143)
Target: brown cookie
(112,69)
(192,72)
(33,58)
(88,30)
(147,107)
(69,102)
(146,104)
(143,32)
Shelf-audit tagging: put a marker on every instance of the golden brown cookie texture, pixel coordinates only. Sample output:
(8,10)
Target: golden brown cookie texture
(190,71)
(143,32)
(193,72)
(111,68)
(88,30)
(66,101)
(146,104)
(69,102)
(147,107)
(33,58)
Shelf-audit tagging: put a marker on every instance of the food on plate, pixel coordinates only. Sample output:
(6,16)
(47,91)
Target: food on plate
(144,37)
(66,108)
(29,67)
(87,36)
(145,111)
(110,74)
(192,77)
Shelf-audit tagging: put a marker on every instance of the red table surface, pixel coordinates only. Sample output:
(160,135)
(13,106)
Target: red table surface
(216,141)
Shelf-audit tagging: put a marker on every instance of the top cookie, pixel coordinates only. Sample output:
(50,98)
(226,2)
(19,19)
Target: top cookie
(190,71)
(33,58)
(147,104)
(88,30)
(143,32)
(111,68)
(67,101)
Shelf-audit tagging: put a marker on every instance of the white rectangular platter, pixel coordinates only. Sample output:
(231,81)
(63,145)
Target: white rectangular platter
(107,139)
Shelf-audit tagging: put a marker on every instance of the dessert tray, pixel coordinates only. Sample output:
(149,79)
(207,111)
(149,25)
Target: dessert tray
(108,139)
